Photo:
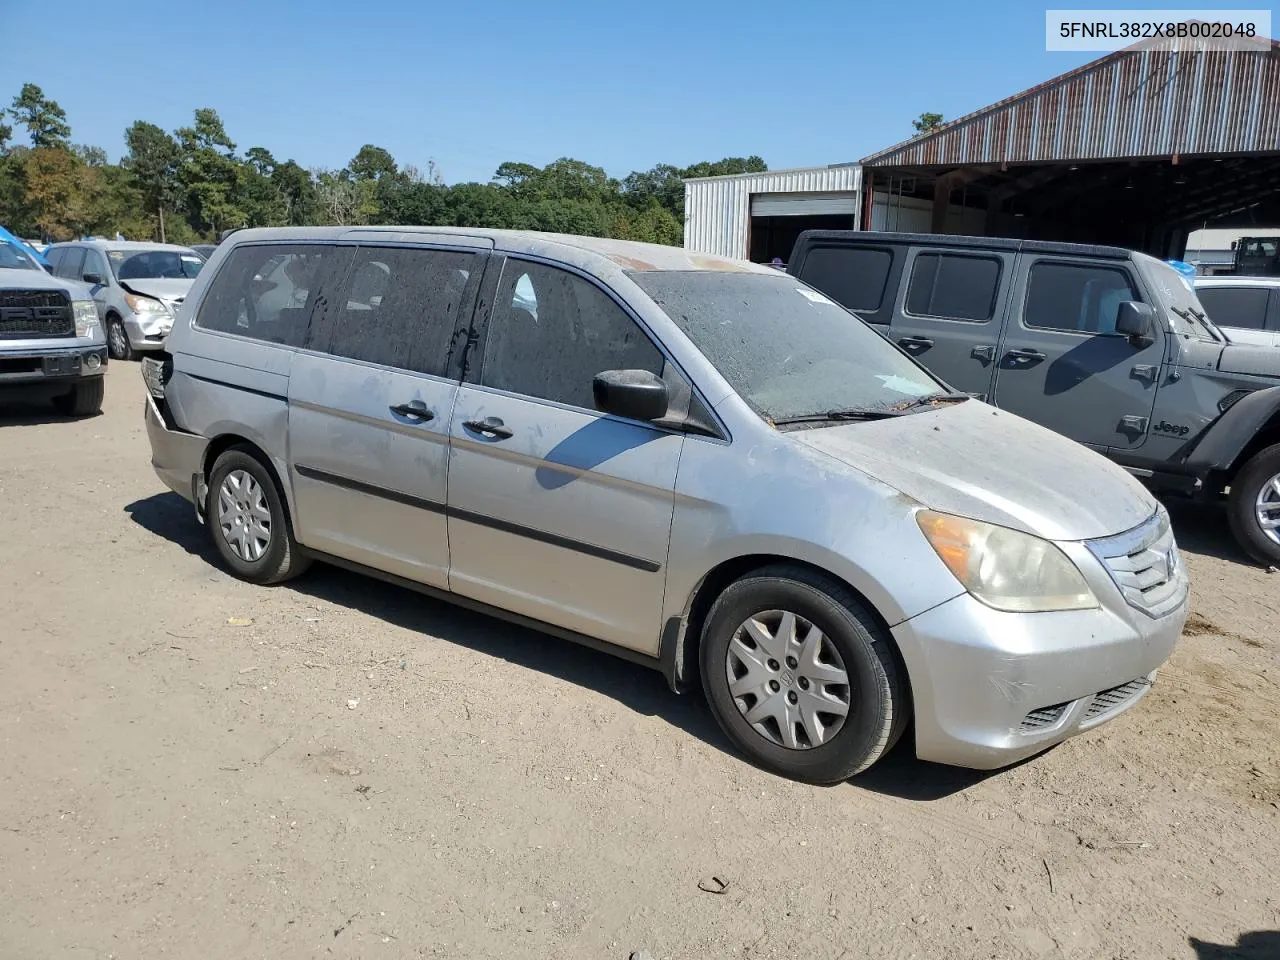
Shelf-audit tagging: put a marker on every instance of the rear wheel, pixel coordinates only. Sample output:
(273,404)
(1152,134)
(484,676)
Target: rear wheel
(118,345)
(801,676)
(248,521)
(1254,506)
(83,400)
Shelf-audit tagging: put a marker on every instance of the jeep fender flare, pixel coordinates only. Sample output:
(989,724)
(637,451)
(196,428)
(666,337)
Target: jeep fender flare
(1220,444)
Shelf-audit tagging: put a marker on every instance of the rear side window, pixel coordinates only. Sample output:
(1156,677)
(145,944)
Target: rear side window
(1076,297)
(69,267)
(1235,306)
(54,257)
(854,277)
(400,307)
(953,287)
(265,292)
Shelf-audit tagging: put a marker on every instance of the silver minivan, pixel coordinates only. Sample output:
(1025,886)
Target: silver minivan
(700,464)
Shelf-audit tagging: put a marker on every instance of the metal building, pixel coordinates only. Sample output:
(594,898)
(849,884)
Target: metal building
(1137,148)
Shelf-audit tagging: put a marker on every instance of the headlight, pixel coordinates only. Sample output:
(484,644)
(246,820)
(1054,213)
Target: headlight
(86,316)
(145,305)
(1004,568)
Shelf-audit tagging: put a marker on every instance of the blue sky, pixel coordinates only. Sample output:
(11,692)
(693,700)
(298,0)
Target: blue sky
(621,85)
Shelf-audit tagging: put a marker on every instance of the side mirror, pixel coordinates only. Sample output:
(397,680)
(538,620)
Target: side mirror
(93,278)
(634,394)
(1233,244)
(1135,320)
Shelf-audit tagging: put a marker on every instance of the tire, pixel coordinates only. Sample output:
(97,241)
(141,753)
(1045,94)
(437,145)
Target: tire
(84,399)
(118,345)
(1252,489)
(876,694)
(265,553)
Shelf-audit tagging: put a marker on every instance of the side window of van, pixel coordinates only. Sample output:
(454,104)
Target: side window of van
(854,277)
(69,266)
(1244,307)
(553,331)
(264,292)
(400,307)
(1076,297)
(953,287)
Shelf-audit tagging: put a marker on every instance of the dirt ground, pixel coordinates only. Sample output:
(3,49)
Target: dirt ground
(194,767)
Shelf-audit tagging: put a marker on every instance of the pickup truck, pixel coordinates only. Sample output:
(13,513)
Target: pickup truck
(1106,346)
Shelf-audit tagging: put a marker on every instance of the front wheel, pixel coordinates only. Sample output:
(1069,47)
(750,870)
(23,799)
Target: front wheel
(118,345)
(801,676)
(84,400)
(1254,506)
(248,521)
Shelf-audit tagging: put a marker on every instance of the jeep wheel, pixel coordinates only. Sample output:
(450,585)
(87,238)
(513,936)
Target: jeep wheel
(1254,506)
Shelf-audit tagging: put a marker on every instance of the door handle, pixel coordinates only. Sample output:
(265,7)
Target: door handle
(986,353)
(415,410)
(1144,371)
(489,427)
(1030,355)
(912,343)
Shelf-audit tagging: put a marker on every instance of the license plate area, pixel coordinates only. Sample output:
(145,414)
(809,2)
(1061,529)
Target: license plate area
(61,366)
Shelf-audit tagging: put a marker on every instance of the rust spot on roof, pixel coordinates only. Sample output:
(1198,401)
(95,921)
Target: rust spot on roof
(715,263)
(631,263)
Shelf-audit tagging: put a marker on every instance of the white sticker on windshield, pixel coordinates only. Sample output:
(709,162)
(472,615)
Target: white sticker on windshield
(813,296)
(912,388)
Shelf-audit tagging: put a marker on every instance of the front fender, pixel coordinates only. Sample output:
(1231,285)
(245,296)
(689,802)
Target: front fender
(1221,443)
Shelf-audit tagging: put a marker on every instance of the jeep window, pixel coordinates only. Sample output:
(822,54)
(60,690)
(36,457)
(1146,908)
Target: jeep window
(1244,307)
(14,259)
(155,264)
(953,287)
(1076,297)
(786,349)
(1176,294)
(855,277)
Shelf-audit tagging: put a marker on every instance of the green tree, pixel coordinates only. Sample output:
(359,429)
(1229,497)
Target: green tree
(46,122)
(53,190)
(297,192)
(927,122)
(153,158)
(90,156)
(210,174)
(372,163)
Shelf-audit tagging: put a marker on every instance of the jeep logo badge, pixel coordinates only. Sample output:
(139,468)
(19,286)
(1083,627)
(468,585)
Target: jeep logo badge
(1172,429)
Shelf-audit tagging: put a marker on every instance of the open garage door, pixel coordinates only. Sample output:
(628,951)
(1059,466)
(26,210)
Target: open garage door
(777,219)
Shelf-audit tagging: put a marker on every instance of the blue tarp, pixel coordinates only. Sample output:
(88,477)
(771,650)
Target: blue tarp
(10,238)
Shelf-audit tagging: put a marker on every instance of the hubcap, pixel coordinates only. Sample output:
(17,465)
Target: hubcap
(1267,508)
(243,516)
(118,342)
(787,679)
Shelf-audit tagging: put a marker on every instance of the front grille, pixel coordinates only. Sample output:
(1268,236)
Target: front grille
(35,313)
(1044,717)
(1144,564)
(1116,697)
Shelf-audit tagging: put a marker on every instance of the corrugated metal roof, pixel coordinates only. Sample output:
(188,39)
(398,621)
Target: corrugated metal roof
(1136,102)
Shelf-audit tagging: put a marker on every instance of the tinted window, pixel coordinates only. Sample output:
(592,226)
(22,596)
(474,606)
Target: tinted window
(854,277)
(94,262)
(553,331)
(400,307)
(155,264)
(69,267)
(1077,297)
(953,287)
(1235,306)
(54,255)
(787,350)
(264,292)
(14,258)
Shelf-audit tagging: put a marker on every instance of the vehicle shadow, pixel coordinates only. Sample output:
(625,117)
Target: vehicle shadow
(32,411)
(642,690)
(1256,945)
(1203,528)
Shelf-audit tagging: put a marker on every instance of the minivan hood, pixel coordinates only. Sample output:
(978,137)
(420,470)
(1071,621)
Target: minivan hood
(1252,359)
(168,290)
(972,460)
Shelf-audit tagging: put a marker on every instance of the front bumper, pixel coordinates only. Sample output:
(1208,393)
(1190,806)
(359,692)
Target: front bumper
(149,334)
(51,364)
(177,457)
(992,688)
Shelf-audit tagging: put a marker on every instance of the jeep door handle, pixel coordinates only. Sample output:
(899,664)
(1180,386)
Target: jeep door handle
(414,410)
(488,427)
(986,353)
(915,343)
(1029,355)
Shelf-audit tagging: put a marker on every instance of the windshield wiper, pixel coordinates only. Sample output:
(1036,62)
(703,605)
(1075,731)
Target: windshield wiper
(837,416)
(930,399)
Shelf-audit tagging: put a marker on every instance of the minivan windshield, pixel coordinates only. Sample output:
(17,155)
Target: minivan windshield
(155,264)
(14,258)
(786,349)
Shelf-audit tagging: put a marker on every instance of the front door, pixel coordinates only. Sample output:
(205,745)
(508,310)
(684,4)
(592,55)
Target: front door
(370,405)
(556,511)
(1061,363)
(948,314)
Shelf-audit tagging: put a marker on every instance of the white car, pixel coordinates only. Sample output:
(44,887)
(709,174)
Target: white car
(1247,309)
